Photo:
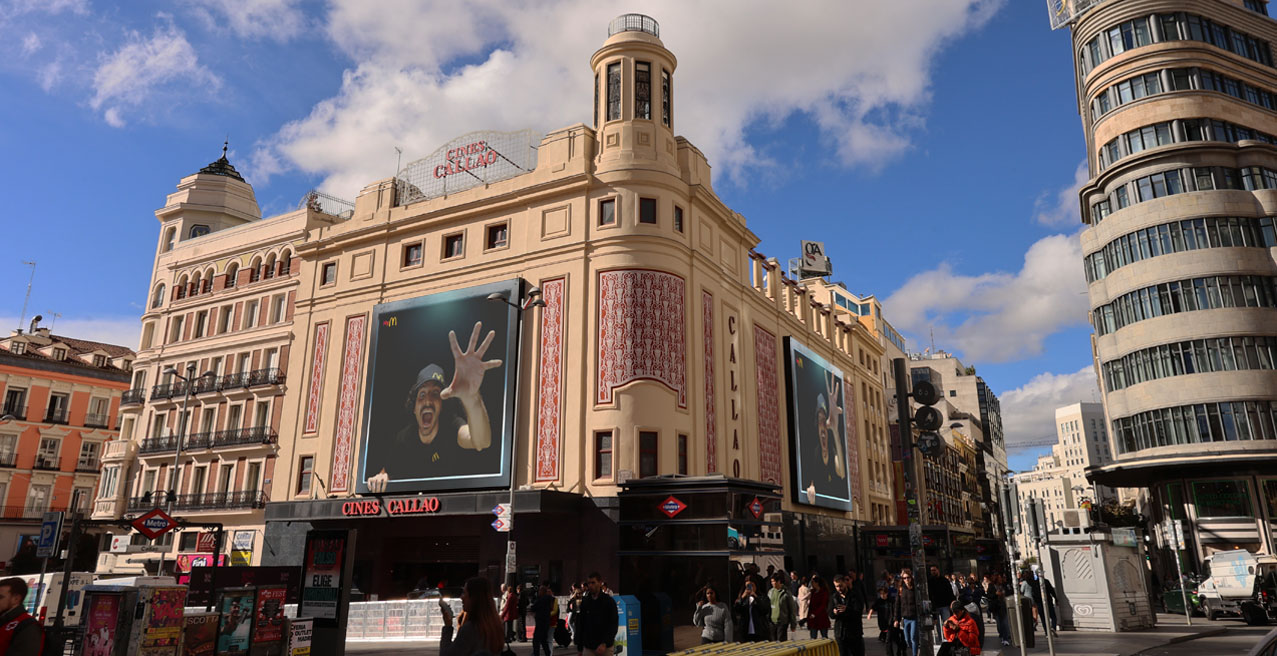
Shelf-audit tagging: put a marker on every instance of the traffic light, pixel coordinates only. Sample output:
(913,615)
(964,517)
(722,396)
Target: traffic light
(927,418)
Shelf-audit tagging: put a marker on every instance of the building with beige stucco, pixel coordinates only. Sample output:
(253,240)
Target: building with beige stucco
(1177,101)
(574,316)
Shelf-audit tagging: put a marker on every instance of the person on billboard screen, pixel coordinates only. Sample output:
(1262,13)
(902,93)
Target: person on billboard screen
(827,472)
(449,424)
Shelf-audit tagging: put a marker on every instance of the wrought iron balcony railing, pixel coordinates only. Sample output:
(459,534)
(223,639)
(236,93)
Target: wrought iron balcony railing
(133,396)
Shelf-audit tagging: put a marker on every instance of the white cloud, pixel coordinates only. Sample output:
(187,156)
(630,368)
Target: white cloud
(1063,210)
(120,331)
(1028,411)
(999,316)
(146,71)
(30,43)
(51,7)
(278,20)
(426,72)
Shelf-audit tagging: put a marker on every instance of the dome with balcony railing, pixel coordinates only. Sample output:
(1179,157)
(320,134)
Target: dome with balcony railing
(634,23)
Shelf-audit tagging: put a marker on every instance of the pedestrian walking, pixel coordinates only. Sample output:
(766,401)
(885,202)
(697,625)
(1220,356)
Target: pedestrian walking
(882,606)
(509,609)
(818,609)
(848,608)
(521,620)
(905,612)
(751,614)
(1048,598)
(713,616)
(784,609)
(543,616)
(596,627)
(804,601)
(794,583)
(478,626)
(996,593)
(941,594)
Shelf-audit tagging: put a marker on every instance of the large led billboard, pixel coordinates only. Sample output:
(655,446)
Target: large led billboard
(817,429)
(440,396)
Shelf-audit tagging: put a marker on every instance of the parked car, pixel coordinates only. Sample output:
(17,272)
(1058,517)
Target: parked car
(1173,598)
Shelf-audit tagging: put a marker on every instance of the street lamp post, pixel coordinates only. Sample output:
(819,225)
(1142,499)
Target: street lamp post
(531,299)
(182,429)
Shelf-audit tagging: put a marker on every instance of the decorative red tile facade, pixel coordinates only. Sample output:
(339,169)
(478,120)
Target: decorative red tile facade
(318,358)
(641,331)
(767,382)
(347,401)
(550,382)
(711,429)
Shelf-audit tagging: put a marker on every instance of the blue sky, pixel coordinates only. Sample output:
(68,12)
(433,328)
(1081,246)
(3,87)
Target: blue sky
(932,144)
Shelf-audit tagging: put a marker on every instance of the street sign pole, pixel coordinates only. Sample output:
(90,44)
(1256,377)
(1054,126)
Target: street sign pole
(44,567)
(1176,538)
(913,500)
(1047,606)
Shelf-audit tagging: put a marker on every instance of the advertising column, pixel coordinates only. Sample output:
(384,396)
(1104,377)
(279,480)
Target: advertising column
(325,592)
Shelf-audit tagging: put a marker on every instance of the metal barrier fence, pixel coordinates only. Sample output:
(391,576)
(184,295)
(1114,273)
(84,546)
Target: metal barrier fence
(402,619)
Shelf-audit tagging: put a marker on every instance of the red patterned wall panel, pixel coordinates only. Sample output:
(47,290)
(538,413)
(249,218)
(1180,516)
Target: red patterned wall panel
(550,381)
(317,360)
(347,403)
(768,384)
(641,331)
(853,444)
(711,428)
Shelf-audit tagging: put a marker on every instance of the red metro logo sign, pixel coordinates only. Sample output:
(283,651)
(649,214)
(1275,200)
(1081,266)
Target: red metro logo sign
(672,506)
(154,524)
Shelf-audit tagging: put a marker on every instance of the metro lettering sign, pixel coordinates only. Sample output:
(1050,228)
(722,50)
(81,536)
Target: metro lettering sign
(154,524)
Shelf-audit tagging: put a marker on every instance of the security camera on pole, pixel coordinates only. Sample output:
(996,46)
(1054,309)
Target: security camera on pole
(927,420)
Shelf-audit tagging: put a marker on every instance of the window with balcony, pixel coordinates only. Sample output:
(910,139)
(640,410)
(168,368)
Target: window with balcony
(15,402)
(199,479)
(38,500)
(99,414)
(110,482)
(234,416)
(8,451)
(90,457)
(253,477)
(59,408)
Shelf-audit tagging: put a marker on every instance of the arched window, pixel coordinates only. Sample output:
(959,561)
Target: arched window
(255,270)
(269,269)
(197,231)
(158,298)
(182,286)
(285,262)
(169,236)
(232,272)
(208,279)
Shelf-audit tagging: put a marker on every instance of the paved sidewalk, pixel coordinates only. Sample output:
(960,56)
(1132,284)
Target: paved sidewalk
(1170,629)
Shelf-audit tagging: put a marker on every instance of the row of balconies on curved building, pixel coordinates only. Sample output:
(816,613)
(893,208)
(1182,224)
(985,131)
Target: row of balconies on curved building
(208,384)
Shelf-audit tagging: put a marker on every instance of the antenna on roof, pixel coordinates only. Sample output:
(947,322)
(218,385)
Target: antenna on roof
(933,339)
(53,323)
(226,144)
(23,319)
(398,159)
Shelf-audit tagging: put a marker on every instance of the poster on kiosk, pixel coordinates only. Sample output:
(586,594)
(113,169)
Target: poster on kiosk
(107,620)
(158,622)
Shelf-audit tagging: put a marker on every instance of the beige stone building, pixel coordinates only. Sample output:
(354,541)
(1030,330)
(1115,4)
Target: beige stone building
(662,399)
(1177,101)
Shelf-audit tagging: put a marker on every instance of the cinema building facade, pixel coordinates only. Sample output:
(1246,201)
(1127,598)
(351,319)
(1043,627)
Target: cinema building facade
(580,317)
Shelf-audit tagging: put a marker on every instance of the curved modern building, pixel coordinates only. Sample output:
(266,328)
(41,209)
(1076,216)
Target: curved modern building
(1179,106)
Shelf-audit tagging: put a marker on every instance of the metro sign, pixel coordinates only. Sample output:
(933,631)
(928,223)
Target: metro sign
(756,508)
(154,524)
(672,506)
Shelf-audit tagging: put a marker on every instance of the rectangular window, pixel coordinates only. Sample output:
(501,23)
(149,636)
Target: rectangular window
(647,210)
(250,314)
(682,454)
(47,455)
(224,319)
(643,90)
(328,274)
(607,212)
(305,471)
(1227,498)
(648,453)
(666,102)
(498,236)
(88,456)
(454,245)
(614,91)
(179,322)
(278,308)
(201,323)
(603,455)
(678,218)
(596,100)
(412,254)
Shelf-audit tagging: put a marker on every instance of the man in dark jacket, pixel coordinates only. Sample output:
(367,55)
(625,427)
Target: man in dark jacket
(20,634)
(848,609)
(596,626)
(752,614)
(542,614)
(941,594)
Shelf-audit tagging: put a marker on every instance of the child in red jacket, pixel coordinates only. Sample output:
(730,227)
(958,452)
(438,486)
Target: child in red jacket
(960,628)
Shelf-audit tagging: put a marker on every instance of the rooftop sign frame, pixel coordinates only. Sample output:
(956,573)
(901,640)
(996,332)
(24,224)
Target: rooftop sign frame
(468,161)
(1065,12)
